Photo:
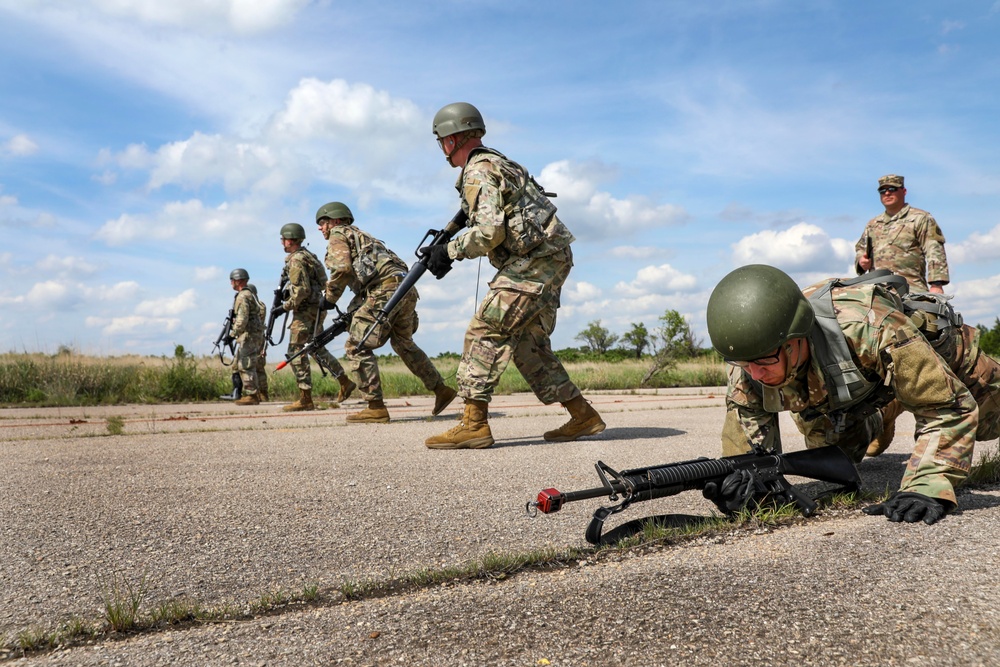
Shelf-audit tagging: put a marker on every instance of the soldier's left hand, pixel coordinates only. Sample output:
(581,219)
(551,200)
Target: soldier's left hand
(438,261)
(909,507)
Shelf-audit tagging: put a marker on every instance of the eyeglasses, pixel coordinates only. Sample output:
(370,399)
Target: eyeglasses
(768,360)
(888,188)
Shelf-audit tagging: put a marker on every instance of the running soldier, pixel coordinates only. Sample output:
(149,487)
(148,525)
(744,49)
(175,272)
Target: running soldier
(248,330)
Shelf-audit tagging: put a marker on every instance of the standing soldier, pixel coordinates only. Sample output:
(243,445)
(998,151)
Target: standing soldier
(248,330)
(358,260)
(837,355)
(513,223)
(306,282)
(262,357)
(905,240)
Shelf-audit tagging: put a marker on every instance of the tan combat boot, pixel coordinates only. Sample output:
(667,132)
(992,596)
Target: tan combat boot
(889,413)
(262,394)
(346,387)
(584,420)
(375,413)
(473,432)
(443,396)
(305,402)
(247,399)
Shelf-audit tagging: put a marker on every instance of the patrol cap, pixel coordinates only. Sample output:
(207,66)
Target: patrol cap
(890,180)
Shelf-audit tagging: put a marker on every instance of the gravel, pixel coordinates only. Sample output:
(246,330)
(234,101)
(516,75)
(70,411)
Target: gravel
(206,504)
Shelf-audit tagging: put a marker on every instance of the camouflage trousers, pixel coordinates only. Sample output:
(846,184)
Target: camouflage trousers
(398,330)
(300,332)
(515,321)
(246,363)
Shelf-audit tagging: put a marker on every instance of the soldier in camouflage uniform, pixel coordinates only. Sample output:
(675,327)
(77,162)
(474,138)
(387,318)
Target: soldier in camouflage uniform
(248,330)
(358,260)
(771,334)
(905,240)
(513,223)
(306,283)
(261,363)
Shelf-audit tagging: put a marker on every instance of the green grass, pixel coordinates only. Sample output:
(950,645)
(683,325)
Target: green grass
(67,379)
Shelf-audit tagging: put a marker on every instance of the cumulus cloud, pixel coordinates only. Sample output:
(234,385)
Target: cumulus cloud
(20,146)
(182,220)
(131,324)
(802,247)
(597,214)
(173,305)
(979,247)
(207,274)
(661,279)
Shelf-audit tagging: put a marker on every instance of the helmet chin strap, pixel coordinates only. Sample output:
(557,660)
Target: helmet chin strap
(791,370)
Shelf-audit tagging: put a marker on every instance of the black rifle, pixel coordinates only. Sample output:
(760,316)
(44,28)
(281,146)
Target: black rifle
(438,237)
(871,256)
(280,295)
(826,464)
(339,325)
(226,340)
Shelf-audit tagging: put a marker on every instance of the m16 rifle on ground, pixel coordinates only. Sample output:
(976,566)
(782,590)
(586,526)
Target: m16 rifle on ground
(339,325)
(438,238)
(731,482)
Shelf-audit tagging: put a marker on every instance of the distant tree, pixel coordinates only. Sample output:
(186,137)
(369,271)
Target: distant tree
(989,339)
(672,340)
(596,338)
(637,339)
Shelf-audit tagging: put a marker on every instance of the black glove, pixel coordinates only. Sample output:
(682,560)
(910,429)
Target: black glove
(733,493)
(438,262)
(326,304)
(909,507)
(278,311)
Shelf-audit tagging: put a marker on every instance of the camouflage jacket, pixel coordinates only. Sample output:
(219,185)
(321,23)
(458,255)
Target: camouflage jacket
(248,317)
(358,260)
(510,217)
(306,281)
(909,244)
(887,346)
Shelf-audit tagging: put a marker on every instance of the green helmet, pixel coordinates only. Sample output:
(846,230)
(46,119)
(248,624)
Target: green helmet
(335,211)
(293,230)
(755,309)
(457,117)
(252,288)
(239,274)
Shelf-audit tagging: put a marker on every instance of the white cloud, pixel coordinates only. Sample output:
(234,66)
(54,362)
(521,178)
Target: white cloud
(802,247)
(181,221)
(207,274)
(133,324)
(175,305)
(50,294)
(594,213)
(978,247)
(657,280)
(20,145)
(76,266)
(240,16)
(637,252)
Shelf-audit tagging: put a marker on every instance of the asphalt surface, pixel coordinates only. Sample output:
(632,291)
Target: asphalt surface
(215,505)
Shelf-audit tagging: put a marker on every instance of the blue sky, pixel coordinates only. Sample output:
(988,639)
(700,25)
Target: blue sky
(147,148)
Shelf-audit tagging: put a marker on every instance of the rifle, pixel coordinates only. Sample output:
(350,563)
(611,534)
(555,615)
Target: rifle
(225,339)
(280,295)
(438,237)
(323,338)
(871,256)
(826,464)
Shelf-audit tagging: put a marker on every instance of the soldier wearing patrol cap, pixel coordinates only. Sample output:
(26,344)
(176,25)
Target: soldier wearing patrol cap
(905,240)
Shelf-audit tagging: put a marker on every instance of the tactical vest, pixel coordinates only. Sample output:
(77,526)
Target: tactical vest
(317,276)
(847,386)
(368,254)
(528,210)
